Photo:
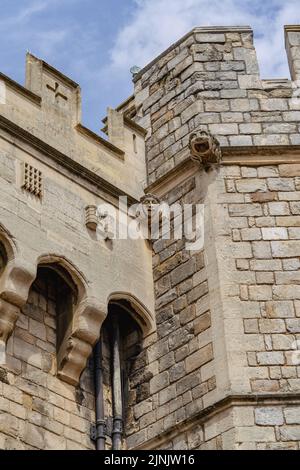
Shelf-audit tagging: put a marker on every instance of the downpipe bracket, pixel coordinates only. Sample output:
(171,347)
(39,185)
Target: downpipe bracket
(104,429)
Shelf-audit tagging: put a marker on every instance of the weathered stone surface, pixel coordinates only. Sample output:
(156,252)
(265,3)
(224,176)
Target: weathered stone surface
(210,37)
(269,416)
(250,185)
(159,382)
(285,249)
(246,210)
(263,197)
(260,292)
(280,184)
(293,325)
(292,415)
(279,208)
(202,323)
(254,434)
(280,309)
(270,358)
(183,272)
(290,433)
(271,326)
(275,233)
(199,358)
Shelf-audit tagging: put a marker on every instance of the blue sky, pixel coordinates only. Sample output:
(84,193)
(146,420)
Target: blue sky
(95,42)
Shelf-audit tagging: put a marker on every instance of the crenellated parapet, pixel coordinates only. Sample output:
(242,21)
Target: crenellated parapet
(49,109)
(292,44)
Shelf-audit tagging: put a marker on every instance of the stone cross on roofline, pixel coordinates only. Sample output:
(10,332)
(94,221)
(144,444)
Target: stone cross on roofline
(57,93)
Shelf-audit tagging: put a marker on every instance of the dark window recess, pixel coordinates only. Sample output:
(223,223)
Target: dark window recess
(120,318)
(56,285)
(3,257)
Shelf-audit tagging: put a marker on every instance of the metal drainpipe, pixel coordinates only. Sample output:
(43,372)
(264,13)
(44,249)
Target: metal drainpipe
(117,388)
(99,405)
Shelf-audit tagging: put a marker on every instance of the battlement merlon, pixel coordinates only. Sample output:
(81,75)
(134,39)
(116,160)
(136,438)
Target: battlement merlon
(292,45)
(241,36)
(234,34)
(206,34)
(54,87)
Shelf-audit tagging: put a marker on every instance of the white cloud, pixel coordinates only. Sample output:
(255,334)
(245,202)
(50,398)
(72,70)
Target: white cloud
(155,24)
(23,15)
(26,29)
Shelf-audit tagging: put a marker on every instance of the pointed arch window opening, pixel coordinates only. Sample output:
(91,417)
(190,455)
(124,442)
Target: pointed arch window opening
(121,343)
(56,285)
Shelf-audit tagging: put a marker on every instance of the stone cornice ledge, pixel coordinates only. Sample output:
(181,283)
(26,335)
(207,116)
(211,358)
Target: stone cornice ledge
(268,399)
(244,156)
(20,89)
(260,155)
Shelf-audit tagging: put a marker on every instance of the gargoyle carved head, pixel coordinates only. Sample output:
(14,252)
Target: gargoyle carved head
(205,148)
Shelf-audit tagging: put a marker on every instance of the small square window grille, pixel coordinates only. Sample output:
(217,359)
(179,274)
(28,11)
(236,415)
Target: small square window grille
(32,180)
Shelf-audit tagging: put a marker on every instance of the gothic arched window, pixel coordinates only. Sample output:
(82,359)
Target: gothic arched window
(58,293)
(120,341)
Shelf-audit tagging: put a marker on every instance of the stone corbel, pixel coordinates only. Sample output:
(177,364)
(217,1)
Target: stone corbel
(9,314)
(15,283)
(78,344)
(101,222)
(205,149)
(91,218)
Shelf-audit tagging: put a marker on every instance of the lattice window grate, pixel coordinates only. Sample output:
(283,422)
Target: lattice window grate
(32,180)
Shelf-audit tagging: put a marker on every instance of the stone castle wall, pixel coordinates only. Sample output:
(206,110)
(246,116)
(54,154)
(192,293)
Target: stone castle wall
(215,368)
(235,315)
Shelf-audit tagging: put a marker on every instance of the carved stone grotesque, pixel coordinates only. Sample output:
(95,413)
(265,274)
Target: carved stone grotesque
(205,149)
(147,212)
(149,200)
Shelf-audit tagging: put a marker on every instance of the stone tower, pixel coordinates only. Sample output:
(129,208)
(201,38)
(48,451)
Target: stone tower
(209,339)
